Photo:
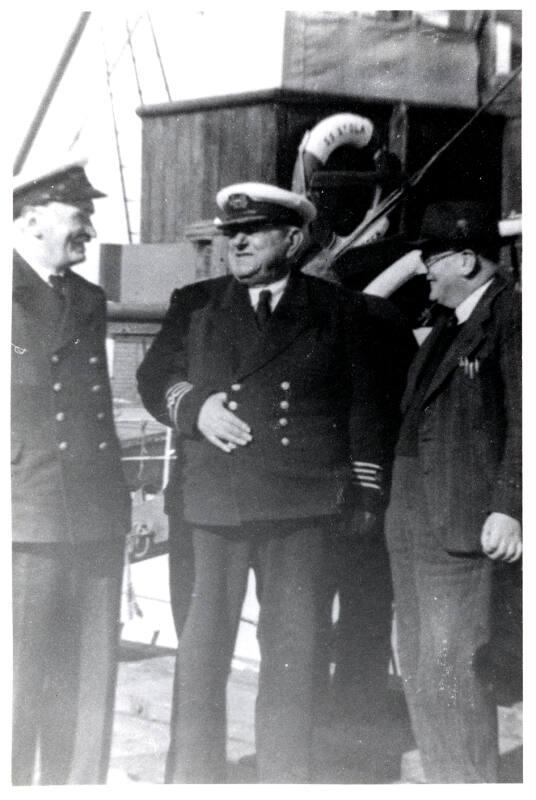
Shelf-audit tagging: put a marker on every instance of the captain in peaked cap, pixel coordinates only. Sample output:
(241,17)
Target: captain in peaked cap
(283,393)
(70,506)
(245,203)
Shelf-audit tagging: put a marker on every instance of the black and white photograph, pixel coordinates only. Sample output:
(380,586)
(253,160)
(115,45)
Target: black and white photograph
(265,413)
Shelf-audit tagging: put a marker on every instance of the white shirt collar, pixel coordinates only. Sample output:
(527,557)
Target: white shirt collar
(276,288)
(467,306)
(43,272)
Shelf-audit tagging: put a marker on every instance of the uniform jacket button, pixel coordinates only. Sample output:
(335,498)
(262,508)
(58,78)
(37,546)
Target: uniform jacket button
(60,416)
(236,387)
(103,445)
(96,388)
(57,387)
(284,404)
(285,442)
(232,405)
(55,358)
(283,421)
(93,359)
(285,385)
(100,415)
(63,445)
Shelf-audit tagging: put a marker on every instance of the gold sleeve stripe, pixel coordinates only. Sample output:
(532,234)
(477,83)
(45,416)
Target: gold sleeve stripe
(174,396)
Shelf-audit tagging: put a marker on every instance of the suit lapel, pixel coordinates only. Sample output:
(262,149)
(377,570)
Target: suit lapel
(472,334)
(418,363)
(41,314)
(37,307)
(78,307)
(291,317)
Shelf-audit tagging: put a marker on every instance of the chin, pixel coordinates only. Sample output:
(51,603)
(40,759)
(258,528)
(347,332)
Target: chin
(76,258)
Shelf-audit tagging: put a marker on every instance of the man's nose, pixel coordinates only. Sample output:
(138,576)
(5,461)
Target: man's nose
(239,239)
(90,230)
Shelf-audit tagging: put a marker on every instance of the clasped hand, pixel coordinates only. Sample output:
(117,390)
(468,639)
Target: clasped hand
(220,426)
(501,538)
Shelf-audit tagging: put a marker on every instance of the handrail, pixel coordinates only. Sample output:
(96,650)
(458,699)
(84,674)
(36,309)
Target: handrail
(135,312)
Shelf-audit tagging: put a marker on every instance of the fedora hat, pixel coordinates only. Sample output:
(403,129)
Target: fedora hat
(457,225)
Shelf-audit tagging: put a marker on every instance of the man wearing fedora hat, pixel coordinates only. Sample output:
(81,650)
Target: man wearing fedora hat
(455,513)
(70,506)
(283,390)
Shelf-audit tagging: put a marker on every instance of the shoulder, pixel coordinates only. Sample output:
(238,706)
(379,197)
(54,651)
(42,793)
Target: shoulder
(83,285)
(506,309)
(324,292)
(91,292)
(353,302)
(508,298)
(197,294)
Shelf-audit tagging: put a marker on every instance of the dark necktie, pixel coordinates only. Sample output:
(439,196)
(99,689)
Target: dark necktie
(264,309)
(445,337)
(57,282)
(408,436)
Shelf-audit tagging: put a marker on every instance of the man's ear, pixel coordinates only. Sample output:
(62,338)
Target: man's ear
(296,238)
(470,266)
(29,216)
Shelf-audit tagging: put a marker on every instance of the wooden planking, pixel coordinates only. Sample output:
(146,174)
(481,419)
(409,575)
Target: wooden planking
(209,136)
(189,154)
(169,199)
(188,158)
(151,135)
(186,184)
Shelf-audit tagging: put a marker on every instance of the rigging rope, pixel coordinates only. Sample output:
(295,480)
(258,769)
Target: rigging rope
(159,57)
(133,58)
(117,143)
(113,67)
(393,199)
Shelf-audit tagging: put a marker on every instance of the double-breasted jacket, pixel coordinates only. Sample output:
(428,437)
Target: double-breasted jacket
(319,387)
(66,475)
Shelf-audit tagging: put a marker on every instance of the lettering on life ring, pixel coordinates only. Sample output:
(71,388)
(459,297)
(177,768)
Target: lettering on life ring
(319,143)
(338,130)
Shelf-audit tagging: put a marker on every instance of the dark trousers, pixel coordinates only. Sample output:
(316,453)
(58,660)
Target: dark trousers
(360,642)
(66,612)
(288,559)
(442,606)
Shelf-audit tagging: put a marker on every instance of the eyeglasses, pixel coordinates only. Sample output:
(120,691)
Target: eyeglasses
(431,260)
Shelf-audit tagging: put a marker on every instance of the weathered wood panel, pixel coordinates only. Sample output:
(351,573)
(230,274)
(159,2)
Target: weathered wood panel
(188,157)
(190,150)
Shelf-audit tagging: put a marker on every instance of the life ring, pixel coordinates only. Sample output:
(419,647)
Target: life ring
(321,141)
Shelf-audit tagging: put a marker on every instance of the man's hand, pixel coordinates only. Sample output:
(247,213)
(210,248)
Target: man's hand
(220,426)
(501,537)
(358,523)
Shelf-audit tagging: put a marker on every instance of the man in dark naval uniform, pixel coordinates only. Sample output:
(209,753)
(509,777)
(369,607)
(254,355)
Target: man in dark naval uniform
(70,506)
(283,389)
